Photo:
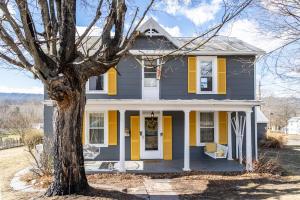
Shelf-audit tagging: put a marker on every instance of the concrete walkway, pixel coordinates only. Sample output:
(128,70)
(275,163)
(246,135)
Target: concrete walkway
(160,189)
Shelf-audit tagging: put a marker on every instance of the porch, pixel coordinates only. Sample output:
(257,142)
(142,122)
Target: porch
(165,166)
(174,145)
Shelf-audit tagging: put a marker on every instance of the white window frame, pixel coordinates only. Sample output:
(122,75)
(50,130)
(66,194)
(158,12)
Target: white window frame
(158,81)
(214,74)
(105,86)
(87,128)
(216,127)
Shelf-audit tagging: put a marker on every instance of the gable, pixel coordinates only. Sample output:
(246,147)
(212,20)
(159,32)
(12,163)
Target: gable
(152,43)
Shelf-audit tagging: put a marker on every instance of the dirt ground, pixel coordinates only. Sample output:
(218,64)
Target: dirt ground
(188,185)
(11,161)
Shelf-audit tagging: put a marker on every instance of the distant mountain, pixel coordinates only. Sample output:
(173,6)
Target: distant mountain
(20,97)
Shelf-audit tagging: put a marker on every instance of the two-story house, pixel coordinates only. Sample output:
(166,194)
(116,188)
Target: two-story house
(170,100)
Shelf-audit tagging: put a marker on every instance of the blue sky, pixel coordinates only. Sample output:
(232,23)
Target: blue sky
(179,18)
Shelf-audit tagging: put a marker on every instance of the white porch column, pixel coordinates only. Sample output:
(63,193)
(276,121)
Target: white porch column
(237,138)
(229,157)
(186,140)
(122,141)
(248,142)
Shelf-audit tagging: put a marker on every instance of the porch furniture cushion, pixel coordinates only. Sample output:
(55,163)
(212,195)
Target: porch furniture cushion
(210,147)
(221,152)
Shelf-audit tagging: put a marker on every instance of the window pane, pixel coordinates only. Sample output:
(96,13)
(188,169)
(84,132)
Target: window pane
(206,83)
(150,75)
(150,62)
(96,120)
(96,83)
(96,136)
(206,68)
(150,69)
(151,133)
(207,120)
(206,135)
(150,82)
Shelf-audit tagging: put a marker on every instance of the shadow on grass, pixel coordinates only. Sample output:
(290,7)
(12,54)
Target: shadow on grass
(245,189)
(289,157)
(95,193)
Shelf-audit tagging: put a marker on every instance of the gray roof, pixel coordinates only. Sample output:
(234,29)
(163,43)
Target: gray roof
(218,43)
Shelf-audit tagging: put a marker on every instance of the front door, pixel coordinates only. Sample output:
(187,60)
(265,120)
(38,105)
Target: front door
(151,139)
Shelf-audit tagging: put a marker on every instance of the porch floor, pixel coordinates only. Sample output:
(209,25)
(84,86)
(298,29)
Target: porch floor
(166,166)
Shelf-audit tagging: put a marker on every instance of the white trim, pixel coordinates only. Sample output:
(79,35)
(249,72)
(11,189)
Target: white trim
(122,141)
(255,132)
(186,166)
(214,60)
(216,127)
(157,90)
(105,86)
(154,154)
(152,24)
(229,136)
(248,142)
(87,127)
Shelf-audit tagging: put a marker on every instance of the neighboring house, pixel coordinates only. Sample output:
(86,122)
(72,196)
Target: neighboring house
(293,126)
(38,126)
(262,124)
(176,108)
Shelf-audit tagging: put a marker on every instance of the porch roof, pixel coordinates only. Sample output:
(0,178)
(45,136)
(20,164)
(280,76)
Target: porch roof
(171,105)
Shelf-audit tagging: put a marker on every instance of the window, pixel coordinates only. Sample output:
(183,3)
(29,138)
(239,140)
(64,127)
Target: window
(96,128)
(207,74)
(207,127)
(97,84)
(151,32)
(150,66)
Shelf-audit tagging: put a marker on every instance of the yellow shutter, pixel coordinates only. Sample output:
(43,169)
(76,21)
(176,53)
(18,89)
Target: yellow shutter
(83,129)
(193,128)
(167,137)
(221,75)
(222,128)
(135,137)
(192,74)
(112,81)
(112,127)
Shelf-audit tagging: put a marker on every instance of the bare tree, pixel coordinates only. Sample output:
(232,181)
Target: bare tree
(63,60)
(281,19)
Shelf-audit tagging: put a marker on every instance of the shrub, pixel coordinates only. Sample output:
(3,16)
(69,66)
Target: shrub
(273,140)
(43,165)
(267,165)
(32,138)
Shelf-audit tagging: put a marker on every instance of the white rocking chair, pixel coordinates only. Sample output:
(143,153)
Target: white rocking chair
(215,151)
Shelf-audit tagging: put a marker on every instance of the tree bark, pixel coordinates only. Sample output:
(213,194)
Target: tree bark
(69,174)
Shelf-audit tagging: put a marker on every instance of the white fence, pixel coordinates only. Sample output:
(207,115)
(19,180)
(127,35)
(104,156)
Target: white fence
(10,143)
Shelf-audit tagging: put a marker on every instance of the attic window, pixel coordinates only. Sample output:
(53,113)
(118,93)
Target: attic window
(150,32)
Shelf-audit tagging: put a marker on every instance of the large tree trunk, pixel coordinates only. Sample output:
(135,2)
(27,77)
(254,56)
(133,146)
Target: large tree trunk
(69,174)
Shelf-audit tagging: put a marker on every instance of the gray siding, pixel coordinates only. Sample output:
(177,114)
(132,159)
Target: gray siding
(129,82)
(261,130)
(48,121)
(152,43)
(240,80)
(112,152)
(173,83)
